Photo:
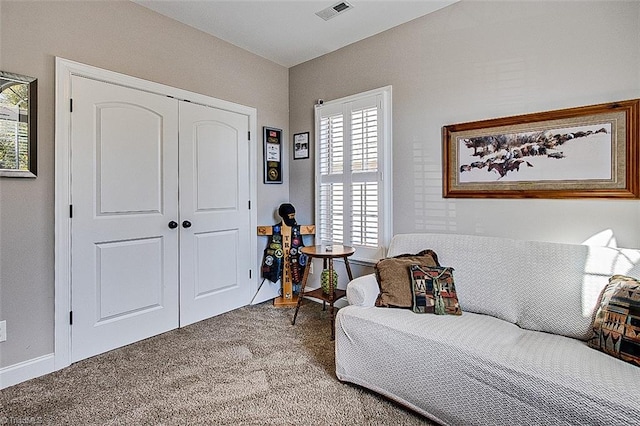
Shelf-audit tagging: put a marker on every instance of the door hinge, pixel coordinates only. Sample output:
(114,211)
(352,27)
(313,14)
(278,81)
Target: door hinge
(70,211)
(249,273)
(70,105)
(70,317)
(249,204)
(249,135)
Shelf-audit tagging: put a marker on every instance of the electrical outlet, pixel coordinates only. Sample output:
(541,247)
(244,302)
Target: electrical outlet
(3,331)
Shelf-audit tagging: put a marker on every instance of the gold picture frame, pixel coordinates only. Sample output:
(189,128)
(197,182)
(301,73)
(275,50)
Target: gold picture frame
(584,152)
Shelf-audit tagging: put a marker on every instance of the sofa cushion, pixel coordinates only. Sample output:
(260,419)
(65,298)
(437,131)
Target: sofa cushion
(616,327)
(485,284)
(566,280)
(434,291)
(394,278)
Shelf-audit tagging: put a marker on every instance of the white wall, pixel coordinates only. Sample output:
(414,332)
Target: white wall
(123,37)
(473,61)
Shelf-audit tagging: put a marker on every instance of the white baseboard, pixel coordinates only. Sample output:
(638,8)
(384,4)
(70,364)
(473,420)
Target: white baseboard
(23,371)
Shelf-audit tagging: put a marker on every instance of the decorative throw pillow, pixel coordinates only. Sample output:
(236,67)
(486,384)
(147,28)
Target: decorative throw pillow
(434,291)
(616,327)
(394,279)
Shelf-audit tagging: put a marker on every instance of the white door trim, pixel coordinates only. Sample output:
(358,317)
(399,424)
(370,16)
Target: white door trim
(65,69)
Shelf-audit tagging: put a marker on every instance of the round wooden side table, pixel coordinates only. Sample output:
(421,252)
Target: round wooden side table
(327,254)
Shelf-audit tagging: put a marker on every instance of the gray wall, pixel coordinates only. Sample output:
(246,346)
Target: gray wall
(123,37)
(473,61)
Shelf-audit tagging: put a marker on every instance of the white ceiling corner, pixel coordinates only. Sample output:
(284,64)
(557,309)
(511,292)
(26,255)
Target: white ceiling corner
(289,32)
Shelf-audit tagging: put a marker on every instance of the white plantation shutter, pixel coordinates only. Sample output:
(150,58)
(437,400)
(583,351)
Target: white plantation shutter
(364,215)
(331,167)
(364,178)
(353,173)
(331,228)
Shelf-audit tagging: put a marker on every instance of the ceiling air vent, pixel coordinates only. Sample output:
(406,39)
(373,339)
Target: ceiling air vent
(334,10)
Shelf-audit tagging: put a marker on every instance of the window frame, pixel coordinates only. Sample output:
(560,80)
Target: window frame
(344,106)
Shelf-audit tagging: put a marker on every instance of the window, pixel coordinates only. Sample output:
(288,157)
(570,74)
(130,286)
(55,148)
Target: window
(353,173)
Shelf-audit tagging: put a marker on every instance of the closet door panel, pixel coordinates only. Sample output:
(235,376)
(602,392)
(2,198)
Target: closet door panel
(124,190)
(216,177)
(129,159)
(214,199)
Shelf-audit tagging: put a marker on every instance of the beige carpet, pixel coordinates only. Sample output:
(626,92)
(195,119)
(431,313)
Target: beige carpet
(246,367)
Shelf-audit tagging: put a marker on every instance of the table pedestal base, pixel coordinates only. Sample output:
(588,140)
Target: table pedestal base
(281,302)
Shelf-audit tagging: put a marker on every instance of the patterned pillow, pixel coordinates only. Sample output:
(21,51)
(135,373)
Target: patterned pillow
(616,327)
(434,291)
(394,279)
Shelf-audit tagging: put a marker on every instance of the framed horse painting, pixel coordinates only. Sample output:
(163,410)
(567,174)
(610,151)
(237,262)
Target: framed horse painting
(584,152)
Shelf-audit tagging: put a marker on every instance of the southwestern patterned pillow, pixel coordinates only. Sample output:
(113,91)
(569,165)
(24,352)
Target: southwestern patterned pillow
(434,291)
(616,327)
(394,279)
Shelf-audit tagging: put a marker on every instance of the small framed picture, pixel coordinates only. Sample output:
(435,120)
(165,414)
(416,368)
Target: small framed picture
(301,146)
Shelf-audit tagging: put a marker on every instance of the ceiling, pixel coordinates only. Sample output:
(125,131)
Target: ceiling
(289,32)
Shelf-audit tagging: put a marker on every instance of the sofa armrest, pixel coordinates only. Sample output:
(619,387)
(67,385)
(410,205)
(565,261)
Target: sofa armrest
(363,291)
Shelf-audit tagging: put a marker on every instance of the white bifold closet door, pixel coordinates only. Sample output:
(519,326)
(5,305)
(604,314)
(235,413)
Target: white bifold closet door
(214,198)
(160,222)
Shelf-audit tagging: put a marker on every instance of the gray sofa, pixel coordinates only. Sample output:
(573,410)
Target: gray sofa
(518,353)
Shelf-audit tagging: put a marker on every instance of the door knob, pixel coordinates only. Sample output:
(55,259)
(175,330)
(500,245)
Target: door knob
(186,224)
(173,224)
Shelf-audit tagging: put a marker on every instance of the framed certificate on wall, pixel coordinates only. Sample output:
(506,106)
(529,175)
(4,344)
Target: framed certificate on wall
(272,155)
